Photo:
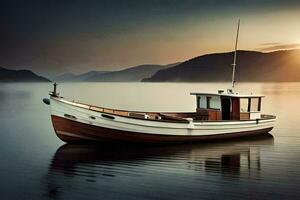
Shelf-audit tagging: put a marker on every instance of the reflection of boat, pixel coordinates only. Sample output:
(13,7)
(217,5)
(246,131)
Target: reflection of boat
(217,116)
(78,168)
(77,164)
(68,156)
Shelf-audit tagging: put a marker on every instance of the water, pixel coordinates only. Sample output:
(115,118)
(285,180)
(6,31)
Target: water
(35,164)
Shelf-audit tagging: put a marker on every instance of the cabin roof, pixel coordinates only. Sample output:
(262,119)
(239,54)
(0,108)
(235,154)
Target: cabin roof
(227,95)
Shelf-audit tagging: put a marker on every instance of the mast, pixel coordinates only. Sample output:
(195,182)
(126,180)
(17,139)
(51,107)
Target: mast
(235,54)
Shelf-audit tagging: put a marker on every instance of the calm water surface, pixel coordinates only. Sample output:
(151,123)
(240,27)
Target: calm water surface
(35,164)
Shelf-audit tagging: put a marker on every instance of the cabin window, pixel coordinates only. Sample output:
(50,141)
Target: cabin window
(244,105)
(208,102)
(259,104)
(255,104)
(198,101)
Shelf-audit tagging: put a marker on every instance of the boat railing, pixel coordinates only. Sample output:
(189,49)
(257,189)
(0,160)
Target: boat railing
(166,116)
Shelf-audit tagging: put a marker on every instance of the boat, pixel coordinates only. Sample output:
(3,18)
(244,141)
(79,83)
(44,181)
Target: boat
(224,114)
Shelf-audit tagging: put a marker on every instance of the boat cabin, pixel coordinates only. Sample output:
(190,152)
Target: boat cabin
(227,106)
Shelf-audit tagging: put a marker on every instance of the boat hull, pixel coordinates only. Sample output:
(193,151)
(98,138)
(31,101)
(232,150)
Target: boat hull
(74,132)
(77,123)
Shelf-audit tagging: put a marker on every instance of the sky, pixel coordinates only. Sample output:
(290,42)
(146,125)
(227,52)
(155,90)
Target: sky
(52,37)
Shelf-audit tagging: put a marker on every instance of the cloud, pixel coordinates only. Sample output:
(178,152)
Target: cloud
(278,46)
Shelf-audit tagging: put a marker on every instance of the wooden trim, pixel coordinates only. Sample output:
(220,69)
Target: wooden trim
(166,116)
(244,116)
(235,113)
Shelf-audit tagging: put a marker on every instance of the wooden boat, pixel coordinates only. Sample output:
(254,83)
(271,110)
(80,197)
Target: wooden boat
(220,115)
(217,116)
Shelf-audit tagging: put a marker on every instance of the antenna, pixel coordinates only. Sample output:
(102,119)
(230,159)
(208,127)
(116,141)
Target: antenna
(235,54)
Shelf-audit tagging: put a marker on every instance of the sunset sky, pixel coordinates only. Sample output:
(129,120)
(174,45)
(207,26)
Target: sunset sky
(57,36)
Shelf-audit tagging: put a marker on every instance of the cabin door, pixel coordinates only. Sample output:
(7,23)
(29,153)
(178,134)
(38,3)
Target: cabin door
(226,106)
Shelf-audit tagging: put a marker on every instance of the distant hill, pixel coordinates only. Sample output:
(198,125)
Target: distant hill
(7,75)
(133,74)
(69,77)
(251,66)
(64,77)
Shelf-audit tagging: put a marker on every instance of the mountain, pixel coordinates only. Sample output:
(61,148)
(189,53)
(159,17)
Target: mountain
(88,75)
(133,74)
(251,66)
(69,77)
(64,77)
(7,75)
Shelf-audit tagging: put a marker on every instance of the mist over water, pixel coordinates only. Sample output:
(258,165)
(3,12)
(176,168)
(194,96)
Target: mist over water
(35,164)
